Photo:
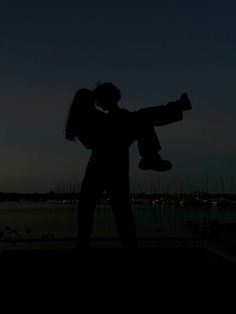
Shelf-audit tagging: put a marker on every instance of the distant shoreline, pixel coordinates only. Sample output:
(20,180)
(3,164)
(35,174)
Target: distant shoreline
(195,198)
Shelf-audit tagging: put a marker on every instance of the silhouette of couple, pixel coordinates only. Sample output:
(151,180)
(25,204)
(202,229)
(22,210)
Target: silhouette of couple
(109,136)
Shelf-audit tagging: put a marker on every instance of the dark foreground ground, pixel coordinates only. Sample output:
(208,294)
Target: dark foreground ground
(167,280)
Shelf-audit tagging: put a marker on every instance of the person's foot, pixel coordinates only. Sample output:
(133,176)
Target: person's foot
(184,102)
(155,163)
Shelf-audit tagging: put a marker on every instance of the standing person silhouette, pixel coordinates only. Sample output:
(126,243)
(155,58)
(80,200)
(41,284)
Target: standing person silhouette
(109,136)
(93,129)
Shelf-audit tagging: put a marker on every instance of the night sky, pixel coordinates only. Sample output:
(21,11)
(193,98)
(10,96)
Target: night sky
(152,50)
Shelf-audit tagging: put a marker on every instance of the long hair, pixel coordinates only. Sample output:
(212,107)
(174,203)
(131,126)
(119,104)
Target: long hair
(82,102)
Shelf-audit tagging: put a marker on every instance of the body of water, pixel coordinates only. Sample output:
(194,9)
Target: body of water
(37,219)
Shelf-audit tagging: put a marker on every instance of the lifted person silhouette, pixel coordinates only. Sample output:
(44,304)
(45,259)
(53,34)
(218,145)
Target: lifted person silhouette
(109,136)
(140,124)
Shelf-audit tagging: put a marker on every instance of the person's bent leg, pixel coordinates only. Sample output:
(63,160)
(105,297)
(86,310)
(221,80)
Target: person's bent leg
(158,115)
(148,142)
(143,122)
(149,148)
(165,114)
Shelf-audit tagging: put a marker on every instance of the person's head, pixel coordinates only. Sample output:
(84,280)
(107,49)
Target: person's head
(83,102)
(106,96)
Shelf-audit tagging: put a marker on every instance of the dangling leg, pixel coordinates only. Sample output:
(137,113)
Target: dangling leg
(149,147)
(148,143)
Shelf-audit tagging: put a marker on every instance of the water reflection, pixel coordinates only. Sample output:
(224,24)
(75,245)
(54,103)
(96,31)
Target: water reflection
(151,220)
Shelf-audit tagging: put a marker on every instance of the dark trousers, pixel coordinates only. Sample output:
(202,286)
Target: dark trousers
(97,179)
(144,121)
(148,141)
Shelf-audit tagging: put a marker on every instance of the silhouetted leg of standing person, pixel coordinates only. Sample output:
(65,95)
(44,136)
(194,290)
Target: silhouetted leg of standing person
(132,283)
(91,190)
(118,189)
(97,179)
